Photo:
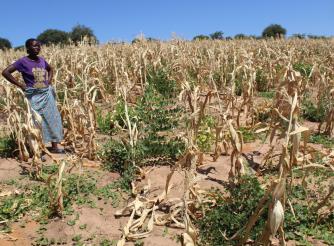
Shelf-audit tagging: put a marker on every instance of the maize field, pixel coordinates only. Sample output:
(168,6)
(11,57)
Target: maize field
(213,142)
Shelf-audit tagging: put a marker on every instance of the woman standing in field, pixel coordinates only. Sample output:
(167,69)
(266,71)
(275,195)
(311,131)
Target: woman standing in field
(37,75)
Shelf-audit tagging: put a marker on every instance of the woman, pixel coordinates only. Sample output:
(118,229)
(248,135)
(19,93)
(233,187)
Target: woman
(37,75)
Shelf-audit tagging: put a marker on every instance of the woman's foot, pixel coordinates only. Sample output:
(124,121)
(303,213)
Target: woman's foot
(57,151)
(54,149)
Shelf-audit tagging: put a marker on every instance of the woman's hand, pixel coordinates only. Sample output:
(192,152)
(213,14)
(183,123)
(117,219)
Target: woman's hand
(23,87)
(7,73)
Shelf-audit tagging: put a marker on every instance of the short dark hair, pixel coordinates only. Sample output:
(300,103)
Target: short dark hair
(29,42)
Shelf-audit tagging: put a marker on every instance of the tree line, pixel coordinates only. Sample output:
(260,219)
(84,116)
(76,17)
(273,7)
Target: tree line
(55,36)
(78,32)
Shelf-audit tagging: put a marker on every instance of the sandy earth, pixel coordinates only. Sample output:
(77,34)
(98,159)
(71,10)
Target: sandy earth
(101,223)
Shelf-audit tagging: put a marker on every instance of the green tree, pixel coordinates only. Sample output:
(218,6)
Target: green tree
(217,35)
(80,31)
(274,30)
(240,36)
(5,44)
(201,37)
(311,36)
(299,35)
(53,36)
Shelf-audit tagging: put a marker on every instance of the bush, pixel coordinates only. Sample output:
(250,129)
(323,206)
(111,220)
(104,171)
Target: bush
(104,123)
(217,35)
(206,137)
(7,146)
(115,155)
(231,213)
(326,141)
(313,113)
(274,30)
(238,87)
(80,31)
(304,220)
(261,81)
(154,113)
(304,69)
(5,44)
(53,36)
(201,37)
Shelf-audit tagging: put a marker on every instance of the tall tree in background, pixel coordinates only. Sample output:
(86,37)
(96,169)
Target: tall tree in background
(5,44)
(241,36)
(217,35)
(201,37)
(80,31)
(274,30)
(53,36)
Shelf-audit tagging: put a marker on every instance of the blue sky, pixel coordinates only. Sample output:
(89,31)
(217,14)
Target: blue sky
(124,20)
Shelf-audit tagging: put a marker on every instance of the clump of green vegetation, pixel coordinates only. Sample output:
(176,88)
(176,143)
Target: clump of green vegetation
(231,213)
(162,84)
(110,191)
(104,122)
(154,113)
(325,140)
(107,242)
(206,137)
(238,87)
(7,146)
(76,189)
(267,94)
(312,112)
(305,223)
(262,83)
(263,115)
(247,134)
(118,116)
(304,68)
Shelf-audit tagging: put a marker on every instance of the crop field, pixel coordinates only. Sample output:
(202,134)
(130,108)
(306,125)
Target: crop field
(213,142)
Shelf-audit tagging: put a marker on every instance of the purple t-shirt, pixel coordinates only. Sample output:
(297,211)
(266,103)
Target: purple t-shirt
(32,71)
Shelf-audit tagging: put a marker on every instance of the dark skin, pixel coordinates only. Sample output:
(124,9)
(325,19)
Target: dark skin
(33,50)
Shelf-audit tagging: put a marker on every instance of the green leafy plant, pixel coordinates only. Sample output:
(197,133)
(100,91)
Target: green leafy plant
(304,68)
(267,94)
(325,140)
(104,123)
(76,189)
(111,191)
(231,213)
(7,146)
(154,114)
(107,242)
(206,136)
(247,134)
(262,83)
(238,87)
(312,112)
(303,222)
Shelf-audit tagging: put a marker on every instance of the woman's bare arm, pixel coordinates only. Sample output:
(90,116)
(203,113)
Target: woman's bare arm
(50,74)
(7,73)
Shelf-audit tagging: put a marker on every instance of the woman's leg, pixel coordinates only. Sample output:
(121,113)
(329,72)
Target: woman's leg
(55,149)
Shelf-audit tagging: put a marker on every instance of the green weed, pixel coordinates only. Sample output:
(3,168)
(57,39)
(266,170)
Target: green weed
(231,213)
(7,146)
(312,112)
(262,83)
(206,137)
(104,122)
(325,140)
(304,68)
(267,94)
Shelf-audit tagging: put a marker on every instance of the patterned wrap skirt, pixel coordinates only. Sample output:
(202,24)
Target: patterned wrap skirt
(43,101)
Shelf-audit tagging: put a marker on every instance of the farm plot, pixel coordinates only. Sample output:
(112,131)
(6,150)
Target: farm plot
(169,143)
